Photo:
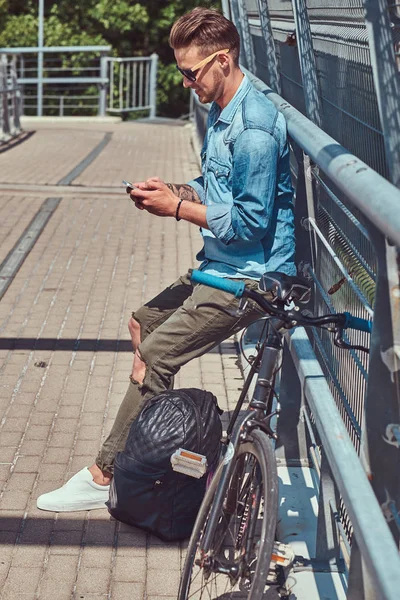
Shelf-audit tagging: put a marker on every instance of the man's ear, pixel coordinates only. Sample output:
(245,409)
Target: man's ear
(224,61)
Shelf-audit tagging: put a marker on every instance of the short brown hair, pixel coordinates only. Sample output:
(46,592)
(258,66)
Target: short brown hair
(207,29)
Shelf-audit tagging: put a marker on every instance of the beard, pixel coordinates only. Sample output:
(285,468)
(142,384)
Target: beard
(213,93)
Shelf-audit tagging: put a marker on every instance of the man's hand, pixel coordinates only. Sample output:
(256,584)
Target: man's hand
(154,196)
(158,199)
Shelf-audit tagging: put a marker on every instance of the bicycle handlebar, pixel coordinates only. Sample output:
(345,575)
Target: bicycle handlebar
(343,320)
(352,322)
(236,288)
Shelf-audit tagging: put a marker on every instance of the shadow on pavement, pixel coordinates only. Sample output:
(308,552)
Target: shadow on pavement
(82,345)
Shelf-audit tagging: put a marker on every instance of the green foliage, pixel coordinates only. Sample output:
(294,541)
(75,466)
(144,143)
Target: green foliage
(131,28)
(19,30)
(119,16)
(172,98)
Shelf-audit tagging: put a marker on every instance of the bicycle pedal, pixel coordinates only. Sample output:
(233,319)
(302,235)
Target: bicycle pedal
(282,555)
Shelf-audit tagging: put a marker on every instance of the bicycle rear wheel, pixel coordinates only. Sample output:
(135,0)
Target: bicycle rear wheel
(237,564)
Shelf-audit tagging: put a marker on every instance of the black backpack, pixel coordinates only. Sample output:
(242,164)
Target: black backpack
(145,491)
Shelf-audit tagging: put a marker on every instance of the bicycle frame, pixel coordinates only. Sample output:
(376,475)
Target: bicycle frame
(258,416)
(265,363)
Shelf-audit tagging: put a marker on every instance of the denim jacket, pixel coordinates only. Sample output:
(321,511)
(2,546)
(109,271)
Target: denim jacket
(246,186)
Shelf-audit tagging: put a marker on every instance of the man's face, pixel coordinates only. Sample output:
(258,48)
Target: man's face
(209,78)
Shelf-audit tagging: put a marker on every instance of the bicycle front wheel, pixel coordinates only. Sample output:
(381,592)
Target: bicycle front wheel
(237,563)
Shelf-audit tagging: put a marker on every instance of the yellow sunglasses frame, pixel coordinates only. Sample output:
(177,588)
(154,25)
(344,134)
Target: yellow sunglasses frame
(200,64)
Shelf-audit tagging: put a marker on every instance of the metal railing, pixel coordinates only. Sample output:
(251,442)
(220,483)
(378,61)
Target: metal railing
(132,84)
(336,81)
(10,98)
(51,76)
(83,80)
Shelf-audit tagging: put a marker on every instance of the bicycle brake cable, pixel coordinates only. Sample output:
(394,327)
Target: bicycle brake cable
(341,343)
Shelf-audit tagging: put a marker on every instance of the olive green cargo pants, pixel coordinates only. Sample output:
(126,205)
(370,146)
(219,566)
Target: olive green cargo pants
(175,328)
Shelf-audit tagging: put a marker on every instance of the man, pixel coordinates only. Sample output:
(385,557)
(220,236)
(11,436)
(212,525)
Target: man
(243,204)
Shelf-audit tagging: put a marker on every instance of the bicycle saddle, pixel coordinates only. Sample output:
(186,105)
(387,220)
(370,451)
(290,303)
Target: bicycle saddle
(286,288)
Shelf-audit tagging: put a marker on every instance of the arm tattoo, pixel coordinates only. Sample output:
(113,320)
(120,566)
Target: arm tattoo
(184,191)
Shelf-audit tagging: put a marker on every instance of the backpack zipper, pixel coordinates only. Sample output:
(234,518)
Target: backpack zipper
(199,423)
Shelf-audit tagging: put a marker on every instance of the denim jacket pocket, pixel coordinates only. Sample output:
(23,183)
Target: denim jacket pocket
(218,178)
(220,170)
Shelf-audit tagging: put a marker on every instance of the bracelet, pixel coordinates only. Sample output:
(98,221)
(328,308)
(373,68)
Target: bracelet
(177,210)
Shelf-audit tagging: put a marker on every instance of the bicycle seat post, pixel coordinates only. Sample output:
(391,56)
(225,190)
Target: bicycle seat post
(266,374)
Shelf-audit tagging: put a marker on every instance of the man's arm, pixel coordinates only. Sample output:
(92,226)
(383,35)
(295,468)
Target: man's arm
(184,191)
(254,179)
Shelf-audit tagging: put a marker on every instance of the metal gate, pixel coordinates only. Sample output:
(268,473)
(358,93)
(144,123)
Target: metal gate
(132,84)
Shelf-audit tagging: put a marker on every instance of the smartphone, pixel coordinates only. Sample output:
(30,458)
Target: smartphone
(129,185)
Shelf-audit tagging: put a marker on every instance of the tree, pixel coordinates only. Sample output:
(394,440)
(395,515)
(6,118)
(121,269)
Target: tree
(131,28)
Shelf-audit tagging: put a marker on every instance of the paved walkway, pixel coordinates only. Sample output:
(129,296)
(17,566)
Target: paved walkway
(65,353)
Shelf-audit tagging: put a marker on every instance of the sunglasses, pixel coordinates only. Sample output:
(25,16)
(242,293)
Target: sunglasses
(190,73)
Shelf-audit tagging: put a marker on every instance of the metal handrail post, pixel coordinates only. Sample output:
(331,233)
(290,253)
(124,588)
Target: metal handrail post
(1,102)
(268,40)
(236,19)
(21,87)
(16,96)
(307,61)
(309,79)
(247,41)
(103,87)
(386,80)
(4,95)
(153,85)
(40,61)
(120,85)
(226,9)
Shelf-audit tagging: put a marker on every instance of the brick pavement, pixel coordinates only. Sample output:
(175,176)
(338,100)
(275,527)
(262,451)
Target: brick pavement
(65,354)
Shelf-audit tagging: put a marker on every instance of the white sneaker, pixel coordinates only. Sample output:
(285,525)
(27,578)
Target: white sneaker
(79,493)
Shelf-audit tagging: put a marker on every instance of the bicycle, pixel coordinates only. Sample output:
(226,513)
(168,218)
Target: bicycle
(232,543)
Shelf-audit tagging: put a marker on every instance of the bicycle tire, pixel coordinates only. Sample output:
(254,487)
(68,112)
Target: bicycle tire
(251,538)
